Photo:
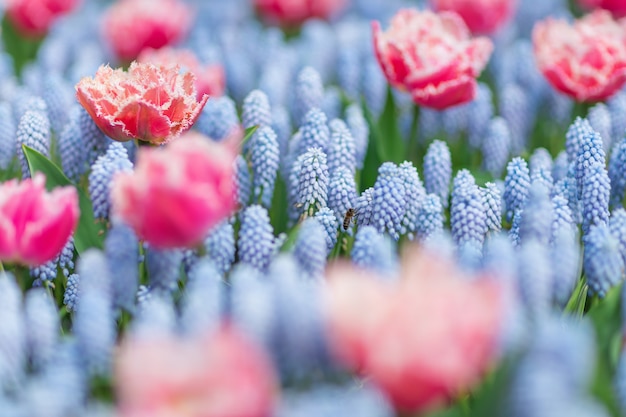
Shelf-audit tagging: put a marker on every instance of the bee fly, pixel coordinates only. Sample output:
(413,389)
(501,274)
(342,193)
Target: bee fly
(350,215)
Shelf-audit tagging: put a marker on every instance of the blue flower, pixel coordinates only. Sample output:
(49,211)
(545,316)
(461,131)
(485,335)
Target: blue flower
(537,218)
(331,105)
(7,136)
(95,143)
(12,333)
(315,132)
(310,247)
(534,276)
(163,268)
(565,260)
(115,160)
(365,207)
(617,109)
(540,160)
(603,263)
(22,101)
(599,118)
(480,113)
(220,246)
(516,186)
(560,166)
(454,121)
(496,146)
(389,200)
(327,219)
(256,238)
(122,250)
(374,86)
(429,123)
(430,217)
(42,324)
(342,193)
(574,137)
(312,177)
(57,95)
(468,216)
(349,72)
(341,149)
(243,181)
(590,153)
(595,197)
(414,196)
(562,216)
(309,93)
(438,170)
(33,131)
(264,158)
(617,168)
(516,109)
(617,224)
(374,251)
(492,201)
(559,107)
(218,118)
(256,110)
(240,72)
(360,131)
(203,302)
(515,226)
(70,296)
(71,148)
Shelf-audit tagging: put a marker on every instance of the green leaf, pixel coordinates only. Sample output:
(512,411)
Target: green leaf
(389,137)
(88,234)
(248,134)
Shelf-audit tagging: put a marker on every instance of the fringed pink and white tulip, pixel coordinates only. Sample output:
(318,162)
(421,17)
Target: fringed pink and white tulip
(586,60)
(177,193)
(432,57)
(215,375)
(35,224)
(210,79)
(480,16)
(295,12)
(130,26)
(33,18)
(424,338)
(149,102)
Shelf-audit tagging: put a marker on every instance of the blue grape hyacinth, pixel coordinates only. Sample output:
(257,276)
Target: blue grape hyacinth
(114,161)
(389,200)
(603,263)
(312,191)
(264,158)
(256,238)
(496,146)
(595,197)
(438,170)
(516,186)
(33,131)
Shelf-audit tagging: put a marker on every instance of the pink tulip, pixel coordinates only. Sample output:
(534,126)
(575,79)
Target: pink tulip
(177,193)
(586,60)
(480,16)
(35,224)
(209,78)
(432,57)
(130,26)
(295,12)
(149,102)
(423,339)
(218,375)
(617,7)
(33,18)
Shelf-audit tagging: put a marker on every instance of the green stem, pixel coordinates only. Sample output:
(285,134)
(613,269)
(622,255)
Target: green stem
(412,142)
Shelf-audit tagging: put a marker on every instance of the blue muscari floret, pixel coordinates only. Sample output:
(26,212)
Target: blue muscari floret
(565,258)
(58,101)
(559,107)
(590,153)
(71,292)
(42,324)
(429,124)
(574,137)
(414,196)
(308,93)
(7,135)
(360,131)
(430,217)
(617,109)
(540,160)
(331,105)
(568,188)
(122,250)
(595,197)
(496,146)
(12,333)
(342,193)
(155,316)
(310,248)
(599,118)
(115,160)
(240,73)
(480,113)
(561,216)
(71,149)
(492,202)
(617,224)
(23,101)
(315,132)
(326,217)
(256,110)
(499,257)
(203,302)
(33,131)
(341,149)
(617,168)
(365,207)
(163,268)
(469,255)
(389,200)
(515,226)
(94,141)
(243,181)
(374,86)
(516,186)
(603,263)
(374,251)
(454,121)
(275,80)
(560,167)
(349,72)
(534,277)
(468,216)
(516,110)
(220,246)
(438,170)
(282,127)
(45,272)
(264,158)
(538,215)
(218,118)
(312,181)
(256,238)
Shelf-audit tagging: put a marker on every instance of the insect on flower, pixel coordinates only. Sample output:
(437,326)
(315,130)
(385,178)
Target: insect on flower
(350,215)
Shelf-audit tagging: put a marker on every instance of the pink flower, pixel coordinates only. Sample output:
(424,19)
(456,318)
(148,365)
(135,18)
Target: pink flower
(295,12)
(130,26)
(34,18)
(217,375)
(432,57)
(209,79)
(151,103)
(586,60)
(423,339)
(480,16)
(617,7)
(177,193)
(35,224)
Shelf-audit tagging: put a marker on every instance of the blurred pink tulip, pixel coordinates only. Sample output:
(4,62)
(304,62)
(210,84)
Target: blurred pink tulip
(432,57)
(480,16)
(617,7)
(130,26)
(295,12)
(149,102)
(217,375)
(210,79)
(35,224)
(586,60)
(177,193)
(422,339)
(33,18)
